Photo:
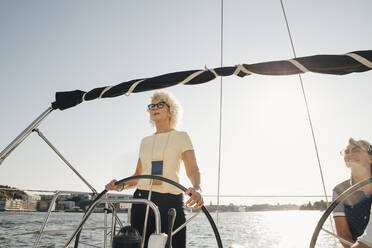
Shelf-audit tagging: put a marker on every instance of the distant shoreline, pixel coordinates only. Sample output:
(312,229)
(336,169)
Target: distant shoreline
(74,212)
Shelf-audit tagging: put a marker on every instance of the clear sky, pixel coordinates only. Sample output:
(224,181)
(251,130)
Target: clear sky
(267,147)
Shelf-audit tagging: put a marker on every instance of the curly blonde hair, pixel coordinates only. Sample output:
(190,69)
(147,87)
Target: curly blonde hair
(363,144)
(175,108)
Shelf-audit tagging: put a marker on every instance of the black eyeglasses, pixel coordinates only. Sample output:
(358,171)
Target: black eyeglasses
(160,105)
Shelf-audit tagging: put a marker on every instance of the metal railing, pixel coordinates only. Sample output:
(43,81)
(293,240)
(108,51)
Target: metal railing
(112,200)
(52,203)
(22,136)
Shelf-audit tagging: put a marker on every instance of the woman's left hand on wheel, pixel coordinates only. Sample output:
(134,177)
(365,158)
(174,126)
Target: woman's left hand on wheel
(196,199)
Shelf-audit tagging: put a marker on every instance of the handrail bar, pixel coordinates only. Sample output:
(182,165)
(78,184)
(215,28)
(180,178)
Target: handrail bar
(50,232)
(204,195)
(25,133)
(42,136)
(46,218)
(271,196)
(62,192)
(57,193)
(90,245)
(113,225)
(114,200)
(105,224)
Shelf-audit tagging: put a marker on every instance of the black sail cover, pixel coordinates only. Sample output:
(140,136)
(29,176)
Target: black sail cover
(358,61)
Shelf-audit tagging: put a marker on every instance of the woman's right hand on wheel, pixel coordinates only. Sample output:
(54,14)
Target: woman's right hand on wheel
(111,186)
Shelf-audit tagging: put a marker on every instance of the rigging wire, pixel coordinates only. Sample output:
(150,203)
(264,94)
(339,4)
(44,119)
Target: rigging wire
(307,110)
(220,121)
(307,105)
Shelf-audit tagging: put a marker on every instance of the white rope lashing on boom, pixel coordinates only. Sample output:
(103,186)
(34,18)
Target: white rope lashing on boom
(213,71)
(191,77)
(298,65)
(133,86)
(360,59)
(83,97)
(104,91)
(240,68)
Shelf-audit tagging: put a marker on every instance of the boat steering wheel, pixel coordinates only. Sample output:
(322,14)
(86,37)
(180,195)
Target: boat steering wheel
(337,201)
(179,186)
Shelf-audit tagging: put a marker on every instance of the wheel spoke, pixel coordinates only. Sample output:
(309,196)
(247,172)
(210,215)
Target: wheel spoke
(338,237)
(184,224)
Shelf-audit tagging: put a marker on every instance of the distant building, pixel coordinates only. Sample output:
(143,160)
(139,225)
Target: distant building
(44,206)
(2,205)
(65,205)
(85,197)
(30,205)
(14,204)
(29,197)
(82,196)
(17,205)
